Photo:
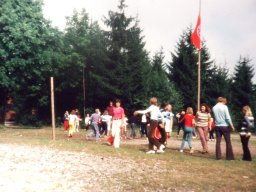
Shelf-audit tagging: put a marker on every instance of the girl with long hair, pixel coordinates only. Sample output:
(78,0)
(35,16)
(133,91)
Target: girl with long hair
(245,131)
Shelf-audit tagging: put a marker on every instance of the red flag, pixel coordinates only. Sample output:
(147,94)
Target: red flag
(195,37)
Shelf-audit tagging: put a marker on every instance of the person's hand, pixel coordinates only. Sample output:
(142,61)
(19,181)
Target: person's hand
(161,125)
(135,113)
(248,134)
(232,128)
(178,115)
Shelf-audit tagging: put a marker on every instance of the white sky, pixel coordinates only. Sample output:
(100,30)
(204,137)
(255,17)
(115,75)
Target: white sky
(228,26)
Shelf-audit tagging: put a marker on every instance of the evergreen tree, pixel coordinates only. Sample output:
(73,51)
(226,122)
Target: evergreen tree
(218,83)
(242,90)
(128,61)
(85,49)
(183,71)
(159,85)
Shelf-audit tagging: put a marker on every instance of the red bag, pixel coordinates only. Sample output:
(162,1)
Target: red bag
(157,134)
(110,140)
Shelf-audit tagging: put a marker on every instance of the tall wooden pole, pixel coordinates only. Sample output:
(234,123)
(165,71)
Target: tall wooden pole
(199,80)
(53,109)
(199,67)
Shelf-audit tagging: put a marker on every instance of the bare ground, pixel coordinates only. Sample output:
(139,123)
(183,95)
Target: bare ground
(26,168)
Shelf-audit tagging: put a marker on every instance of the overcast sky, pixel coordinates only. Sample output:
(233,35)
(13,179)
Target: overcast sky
(227,26)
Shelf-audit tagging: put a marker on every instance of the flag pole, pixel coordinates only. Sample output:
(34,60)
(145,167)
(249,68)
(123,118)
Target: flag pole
(199,80)
(199,68)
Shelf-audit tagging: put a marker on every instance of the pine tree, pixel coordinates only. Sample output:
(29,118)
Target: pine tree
(183,71)
(128,63)
(242,90)
(160,86)
(85,55)
(218,84)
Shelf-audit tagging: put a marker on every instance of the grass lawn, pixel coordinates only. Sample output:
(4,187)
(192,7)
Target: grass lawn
(171,171)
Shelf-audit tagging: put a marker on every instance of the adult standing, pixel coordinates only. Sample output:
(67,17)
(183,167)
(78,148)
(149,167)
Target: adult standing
(203,124)
(154,113)
(95,119)
(223,126)
(245,132)
(189,123)
(117,122)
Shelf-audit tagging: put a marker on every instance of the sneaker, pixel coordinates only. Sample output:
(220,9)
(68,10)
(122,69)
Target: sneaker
(155,148)
(162,147)
(191,150)
(181,150)
(151,152)
(160,151)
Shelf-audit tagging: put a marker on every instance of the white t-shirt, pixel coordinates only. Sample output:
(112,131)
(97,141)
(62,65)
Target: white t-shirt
(87,121)
(154,112)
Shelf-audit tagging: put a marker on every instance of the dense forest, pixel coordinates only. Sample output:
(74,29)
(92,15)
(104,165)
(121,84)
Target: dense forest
(92,66)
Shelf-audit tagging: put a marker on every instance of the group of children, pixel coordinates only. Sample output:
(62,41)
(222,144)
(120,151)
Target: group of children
(112,122)
(100,124)
(156,123)
(71,121)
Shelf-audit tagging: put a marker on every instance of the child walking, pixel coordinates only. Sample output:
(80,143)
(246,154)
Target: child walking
(189,123)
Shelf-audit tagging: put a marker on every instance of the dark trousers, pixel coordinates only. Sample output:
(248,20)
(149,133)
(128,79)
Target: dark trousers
(104,128)
(133,130)
(247,154)
(162,131)
(180,127)
(211,134)
(225,131)
(143,129)
(151,137)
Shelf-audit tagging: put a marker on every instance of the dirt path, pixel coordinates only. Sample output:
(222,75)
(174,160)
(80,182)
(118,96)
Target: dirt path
(174,143)
(25,168)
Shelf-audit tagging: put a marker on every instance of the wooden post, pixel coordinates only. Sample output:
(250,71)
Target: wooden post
(52,109)
(199,67)
(84,90)
(199,80)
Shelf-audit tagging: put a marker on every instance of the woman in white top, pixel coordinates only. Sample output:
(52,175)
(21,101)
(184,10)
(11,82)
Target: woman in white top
(154,114)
